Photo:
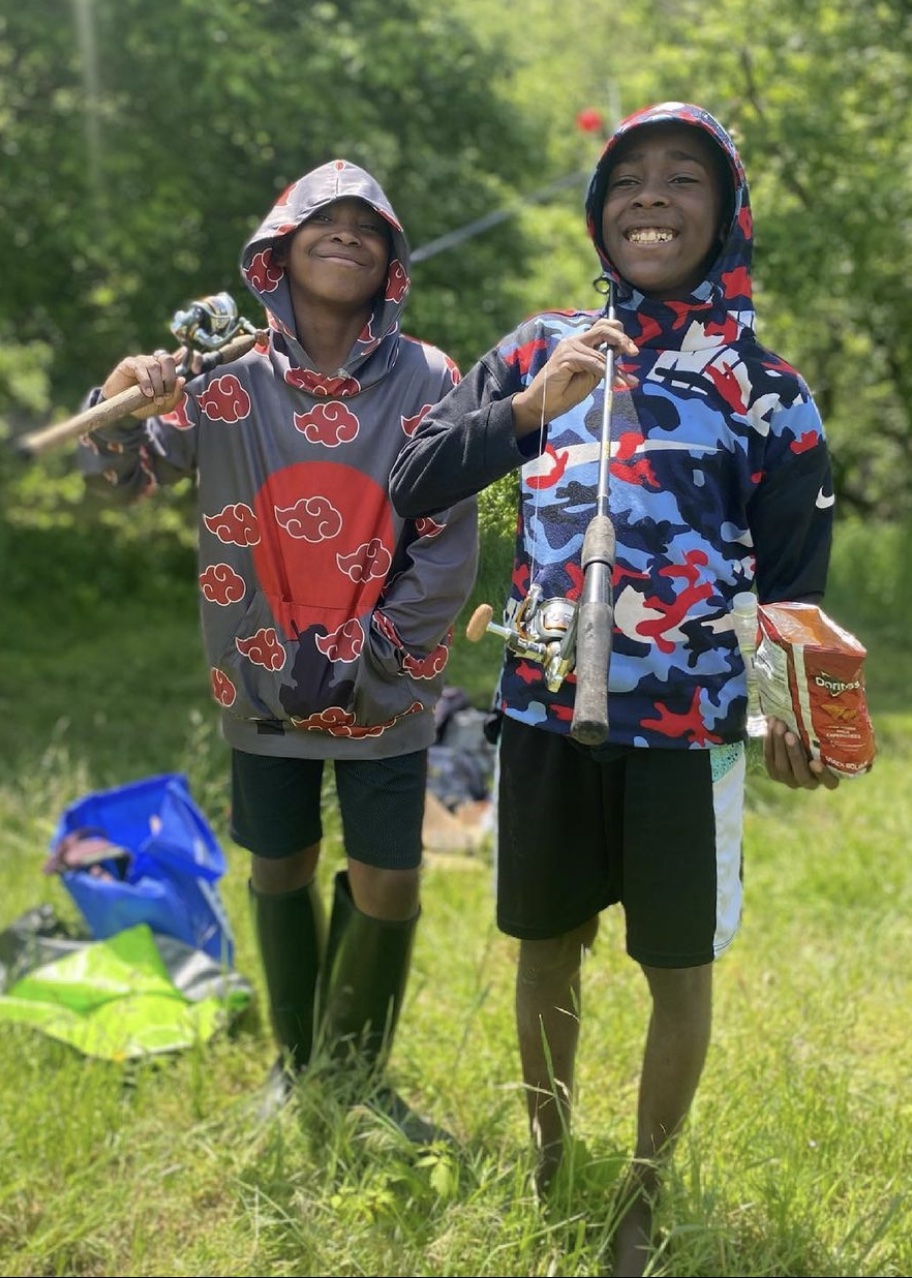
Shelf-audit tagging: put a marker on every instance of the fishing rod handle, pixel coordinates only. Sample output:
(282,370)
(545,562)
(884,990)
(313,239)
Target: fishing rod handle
(110,410)
(594,629)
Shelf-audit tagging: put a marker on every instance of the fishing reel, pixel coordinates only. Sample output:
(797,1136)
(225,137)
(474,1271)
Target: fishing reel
(542,630)
(211,322)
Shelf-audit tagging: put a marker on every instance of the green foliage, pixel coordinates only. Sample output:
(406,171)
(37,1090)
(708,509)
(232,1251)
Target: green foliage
(141,145)
(23,376)
(818,98)
(141,150)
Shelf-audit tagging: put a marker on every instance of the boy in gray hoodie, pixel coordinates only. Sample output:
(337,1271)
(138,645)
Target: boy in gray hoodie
(326,617)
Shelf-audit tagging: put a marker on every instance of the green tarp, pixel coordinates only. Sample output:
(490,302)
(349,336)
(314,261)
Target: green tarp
(135,994)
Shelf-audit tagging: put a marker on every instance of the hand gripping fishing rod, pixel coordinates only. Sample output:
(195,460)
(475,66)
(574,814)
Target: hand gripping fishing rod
(596,607)
(210,326)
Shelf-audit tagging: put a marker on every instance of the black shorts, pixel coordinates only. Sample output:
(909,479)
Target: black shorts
(276,809)
(580,828)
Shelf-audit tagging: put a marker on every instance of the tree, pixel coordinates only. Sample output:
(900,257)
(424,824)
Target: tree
(142,147)
(819,98)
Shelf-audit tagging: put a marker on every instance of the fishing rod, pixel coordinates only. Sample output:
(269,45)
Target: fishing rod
(563,635)
(210,327)
(596,607)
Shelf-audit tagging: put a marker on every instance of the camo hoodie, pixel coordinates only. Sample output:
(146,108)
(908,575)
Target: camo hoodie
(718,482)
(326,617)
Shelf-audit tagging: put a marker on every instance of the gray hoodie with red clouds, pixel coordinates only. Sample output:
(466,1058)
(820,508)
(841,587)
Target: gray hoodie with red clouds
(326,618)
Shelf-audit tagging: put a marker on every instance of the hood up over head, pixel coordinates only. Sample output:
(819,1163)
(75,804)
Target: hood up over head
(268,283)
(724,297)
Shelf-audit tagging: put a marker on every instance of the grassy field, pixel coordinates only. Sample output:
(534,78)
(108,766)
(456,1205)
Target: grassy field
(796,1161)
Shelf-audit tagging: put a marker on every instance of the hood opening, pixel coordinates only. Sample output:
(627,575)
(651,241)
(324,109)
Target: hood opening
(596,197)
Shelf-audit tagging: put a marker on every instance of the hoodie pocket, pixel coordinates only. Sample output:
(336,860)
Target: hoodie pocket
(384,691)
(261,674)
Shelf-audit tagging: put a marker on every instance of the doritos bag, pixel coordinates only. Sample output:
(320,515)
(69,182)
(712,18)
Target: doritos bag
(810,674)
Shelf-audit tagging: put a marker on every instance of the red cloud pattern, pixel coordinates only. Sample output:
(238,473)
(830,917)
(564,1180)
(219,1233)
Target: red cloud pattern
(330,424)
(223,689)
(306,379)
(311,519)
(341,723)
(410,424)
(303,583)
(225,400)
(344,644)
(397,282)
(261,274)
(178,416)
(263,649)
(370,560)
(427,527)
(429,666)
(220,584)
(386,627)
(235,525)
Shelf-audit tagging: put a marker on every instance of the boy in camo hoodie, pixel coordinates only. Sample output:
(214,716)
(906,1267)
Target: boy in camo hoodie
(719,483)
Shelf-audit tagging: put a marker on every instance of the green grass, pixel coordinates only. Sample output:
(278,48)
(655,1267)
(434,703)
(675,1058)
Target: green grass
(795,1162)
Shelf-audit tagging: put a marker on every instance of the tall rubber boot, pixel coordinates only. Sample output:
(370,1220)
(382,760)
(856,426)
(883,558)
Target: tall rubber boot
(289,932)
(362,989)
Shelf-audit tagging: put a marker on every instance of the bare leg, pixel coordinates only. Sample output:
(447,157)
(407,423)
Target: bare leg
(269,875)
(384,894)
(676,1046)
(547,1023)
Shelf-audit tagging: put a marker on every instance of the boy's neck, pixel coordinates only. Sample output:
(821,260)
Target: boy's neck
(328,334)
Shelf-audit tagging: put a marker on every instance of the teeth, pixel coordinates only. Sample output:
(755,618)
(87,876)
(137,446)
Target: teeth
(650,235)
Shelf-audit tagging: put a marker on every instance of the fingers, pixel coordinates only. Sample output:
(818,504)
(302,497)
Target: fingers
(157,378)
(584,354)
(829,780)
(154,375)
(787,761)
(574,369)
(785,758)
(610,332)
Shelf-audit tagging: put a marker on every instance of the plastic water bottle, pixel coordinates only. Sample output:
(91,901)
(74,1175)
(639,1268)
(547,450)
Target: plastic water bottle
(744,619)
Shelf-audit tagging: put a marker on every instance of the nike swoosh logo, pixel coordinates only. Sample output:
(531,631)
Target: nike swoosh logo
(824,500)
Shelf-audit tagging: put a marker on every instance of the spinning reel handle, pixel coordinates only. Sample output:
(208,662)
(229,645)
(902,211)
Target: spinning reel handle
(478,623)
(541,630)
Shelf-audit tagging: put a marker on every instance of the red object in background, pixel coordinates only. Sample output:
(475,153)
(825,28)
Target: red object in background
(590,120)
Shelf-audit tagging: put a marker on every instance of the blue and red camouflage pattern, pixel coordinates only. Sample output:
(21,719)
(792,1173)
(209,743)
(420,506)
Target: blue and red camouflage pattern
(714,454)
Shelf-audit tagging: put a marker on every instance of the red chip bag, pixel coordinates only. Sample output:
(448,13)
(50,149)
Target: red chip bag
(810,673)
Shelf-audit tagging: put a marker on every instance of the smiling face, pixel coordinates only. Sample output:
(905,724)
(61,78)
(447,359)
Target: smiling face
(662,214)
(339,255)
